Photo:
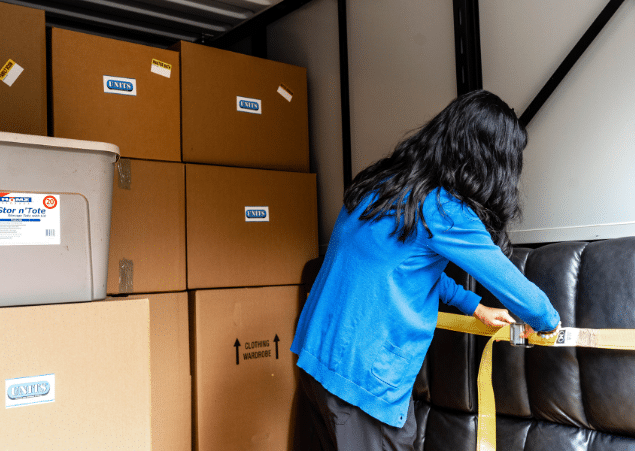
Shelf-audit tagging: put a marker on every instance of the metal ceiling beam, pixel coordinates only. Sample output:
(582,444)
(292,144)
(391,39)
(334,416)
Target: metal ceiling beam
(251,26)
(347,144)
(467,44)
(570,60)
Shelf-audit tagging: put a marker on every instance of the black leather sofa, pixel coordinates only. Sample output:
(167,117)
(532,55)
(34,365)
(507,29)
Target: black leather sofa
(547,399)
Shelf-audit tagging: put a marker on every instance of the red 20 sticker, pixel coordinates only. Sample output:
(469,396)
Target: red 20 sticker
(50,202)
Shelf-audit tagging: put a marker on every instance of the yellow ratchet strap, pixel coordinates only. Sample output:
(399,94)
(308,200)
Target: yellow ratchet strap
(623,339)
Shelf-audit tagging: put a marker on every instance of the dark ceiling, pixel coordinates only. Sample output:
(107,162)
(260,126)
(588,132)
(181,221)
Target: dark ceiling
(163,22)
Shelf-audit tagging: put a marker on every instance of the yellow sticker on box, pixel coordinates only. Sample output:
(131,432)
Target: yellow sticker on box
(10,72)
(161,68)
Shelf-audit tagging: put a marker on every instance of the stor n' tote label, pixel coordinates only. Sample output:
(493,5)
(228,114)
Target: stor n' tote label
(28,219)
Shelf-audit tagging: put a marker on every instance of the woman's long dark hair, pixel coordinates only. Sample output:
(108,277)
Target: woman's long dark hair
(473,149)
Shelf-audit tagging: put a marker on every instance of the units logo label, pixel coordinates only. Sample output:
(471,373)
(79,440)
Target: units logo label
(256,214)
(29,390)
(26,391)
(119,85)
(247,105)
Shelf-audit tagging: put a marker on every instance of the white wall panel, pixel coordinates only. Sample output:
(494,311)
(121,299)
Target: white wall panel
(579,175)
(402,71)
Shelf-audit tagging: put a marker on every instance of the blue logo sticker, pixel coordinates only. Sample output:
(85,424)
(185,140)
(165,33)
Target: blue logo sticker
(119,85)
(29,390)
(256,214)
(248,105)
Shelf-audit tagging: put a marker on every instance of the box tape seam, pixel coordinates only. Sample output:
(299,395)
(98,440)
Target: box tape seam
(124,172)
(126,275)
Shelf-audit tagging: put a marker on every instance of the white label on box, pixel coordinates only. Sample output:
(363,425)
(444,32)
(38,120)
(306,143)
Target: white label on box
(10,72)
(256,214)
(26,391)
(161,68)
(29,219)
(119,85)
(285,92)
(247,105)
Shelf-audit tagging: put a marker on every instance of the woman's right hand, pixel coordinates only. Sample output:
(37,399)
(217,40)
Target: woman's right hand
(496,317)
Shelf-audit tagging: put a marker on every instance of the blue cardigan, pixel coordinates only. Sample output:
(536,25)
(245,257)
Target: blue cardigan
(369,319)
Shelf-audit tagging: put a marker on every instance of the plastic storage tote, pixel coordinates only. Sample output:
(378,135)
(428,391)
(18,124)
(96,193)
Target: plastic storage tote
(55,204)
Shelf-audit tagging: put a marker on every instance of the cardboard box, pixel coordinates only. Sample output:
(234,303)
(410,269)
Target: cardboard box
(87,367)
(170,366)
(147,235)
(243,371)
(22,70)
(249,227)
(116,92)
(243,111)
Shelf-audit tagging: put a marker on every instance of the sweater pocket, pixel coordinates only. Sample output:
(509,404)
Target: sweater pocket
(390,364)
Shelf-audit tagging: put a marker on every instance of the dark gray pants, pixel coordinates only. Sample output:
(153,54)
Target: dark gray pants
(341,426)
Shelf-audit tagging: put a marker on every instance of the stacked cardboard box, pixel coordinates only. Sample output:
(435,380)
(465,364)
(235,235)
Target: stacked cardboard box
(76,376)
(22,70)
(242,111)
(171,388)
(243,372)
(251,222)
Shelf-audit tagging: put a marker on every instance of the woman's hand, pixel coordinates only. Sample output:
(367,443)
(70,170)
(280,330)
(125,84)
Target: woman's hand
(550,334)
(498,317)
(495,317)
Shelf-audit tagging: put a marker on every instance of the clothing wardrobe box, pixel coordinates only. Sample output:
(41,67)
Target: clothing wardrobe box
(76,376)
(22,70)
(243,372)
(116,92)
(243,111)
(147,235)
(248,227)
(170,367)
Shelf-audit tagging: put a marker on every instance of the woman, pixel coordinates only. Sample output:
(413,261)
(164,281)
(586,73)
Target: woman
(446,194)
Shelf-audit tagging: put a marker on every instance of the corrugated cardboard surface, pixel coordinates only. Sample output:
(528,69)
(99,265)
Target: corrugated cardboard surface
(245,380)
(100,355)
(23,104)
(147,235)
(215,132)
(170,363)
(223,250)
(145,126)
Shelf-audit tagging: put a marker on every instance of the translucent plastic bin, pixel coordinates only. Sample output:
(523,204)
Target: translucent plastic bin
(55,204)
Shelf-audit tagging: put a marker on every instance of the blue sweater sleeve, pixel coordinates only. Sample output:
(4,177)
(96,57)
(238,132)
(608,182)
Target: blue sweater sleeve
(460,236)
(455,295)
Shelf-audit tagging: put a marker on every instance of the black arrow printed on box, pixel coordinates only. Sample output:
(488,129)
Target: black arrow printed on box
(237,345)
